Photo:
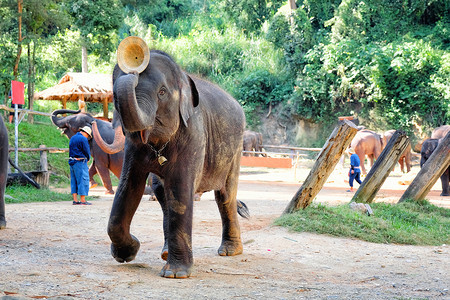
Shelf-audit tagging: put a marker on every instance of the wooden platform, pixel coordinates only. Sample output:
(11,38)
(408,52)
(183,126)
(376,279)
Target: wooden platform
(268,162)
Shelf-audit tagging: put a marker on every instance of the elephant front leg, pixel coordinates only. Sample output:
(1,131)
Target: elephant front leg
(179,235)
(158,190)
(125,246)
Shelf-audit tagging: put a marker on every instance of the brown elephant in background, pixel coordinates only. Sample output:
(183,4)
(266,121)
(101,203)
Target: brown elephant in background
(440,132)
(367,142)
(405,158)
(252,141)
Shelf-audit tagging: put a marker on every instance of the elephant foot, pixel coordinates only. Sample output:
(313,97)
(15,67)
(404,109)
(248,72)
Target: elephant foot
(170,271)
(229,248)
(2,224)
(125,253)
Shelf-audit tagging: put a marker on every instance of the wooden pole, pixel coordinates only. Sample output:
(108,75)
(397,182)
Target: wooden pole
(43,177)
(105,108)
(326,161)
(382,168)
(430,172)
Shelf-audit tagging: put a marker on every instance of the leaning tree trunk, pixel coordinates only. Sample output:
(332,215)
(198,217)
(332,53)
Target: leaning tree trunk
(84,63)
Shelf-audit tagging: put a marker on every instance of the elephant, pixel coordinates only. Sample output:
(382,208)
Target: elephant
(252,141)
(4,154)
(428,148)
(188,132)
(102,162)
(405,158)
(440,132)
(4,159)
(367,142)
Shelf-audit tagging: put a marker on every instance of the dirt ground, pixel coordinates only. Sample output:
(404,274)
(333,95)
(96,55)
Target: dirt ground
(60,251)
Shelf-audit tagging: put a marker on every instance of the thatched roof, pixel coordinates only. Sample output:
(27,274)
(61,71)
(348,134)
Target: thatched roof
(73,86)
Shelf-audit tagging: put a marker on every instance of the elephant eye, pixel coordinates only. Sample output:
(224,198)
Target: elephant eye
(162,91)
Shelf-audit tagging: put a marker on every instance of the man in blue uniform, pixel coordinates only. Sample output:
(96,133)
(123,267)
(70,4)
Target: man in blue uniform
(79,155)
(355,172)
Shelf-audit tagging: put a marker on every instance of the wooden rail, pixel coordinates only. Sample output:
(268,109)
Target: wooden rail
(20,110)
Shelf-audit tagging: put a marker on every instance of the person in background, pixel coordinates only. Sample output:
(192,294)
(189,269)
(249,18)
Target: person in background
(355,172)
(79,155)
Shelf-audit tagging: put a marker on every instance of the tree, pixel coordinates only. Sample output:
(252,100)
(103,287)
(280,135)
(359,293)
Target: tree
(96,21)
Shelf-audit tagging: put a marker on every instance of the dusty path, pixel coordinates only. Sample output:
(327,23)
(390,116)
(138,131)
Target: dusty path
(57,250)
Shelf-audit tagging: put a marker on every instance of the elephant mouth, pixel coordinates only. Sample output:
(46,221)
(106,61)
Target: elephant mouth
(144,134)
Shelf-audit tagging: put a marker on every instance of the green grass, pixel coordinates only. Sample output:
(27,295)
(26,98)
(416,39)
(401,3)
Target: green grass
(27,194)
(412,223)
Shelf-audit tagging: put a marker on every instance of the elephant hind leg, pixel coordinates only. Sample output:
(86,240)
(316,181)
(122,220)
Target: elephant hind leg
(227,203)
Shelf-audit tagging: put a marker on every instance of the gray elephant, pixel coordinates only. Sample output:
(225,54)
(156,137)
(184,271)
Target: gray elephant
(405,159)
(252,141)
(4,159)
(102,162)
(4,153)
(428,148)
(188,132)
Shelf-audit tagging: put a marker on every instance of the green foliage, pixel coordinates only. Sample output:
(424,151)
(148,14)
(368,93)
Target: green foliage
(291,31)
(97,22)
(320,11)
(413,223)
(249,15)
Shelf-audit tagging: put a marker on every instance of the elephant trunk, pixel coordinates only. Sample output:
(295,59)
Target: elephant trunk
(118,143)
(60,121)
(134,118)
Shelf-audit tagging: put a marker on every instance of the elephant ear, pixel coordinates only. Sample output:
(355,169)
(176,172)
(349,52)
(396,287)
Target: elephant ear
(189,99)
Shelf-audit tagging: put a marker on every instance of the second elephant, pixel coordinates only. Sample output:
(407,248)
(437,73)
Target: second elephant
(367,142)
(102,162)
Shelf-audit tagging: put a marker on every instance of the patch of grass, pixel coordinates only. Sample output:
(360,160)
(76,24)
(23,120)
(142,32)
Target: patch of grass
(26,194)
(410,222)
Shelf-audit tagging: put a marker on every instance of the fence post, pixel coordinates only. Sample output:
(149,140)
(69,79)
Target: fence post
(430,172)
(43,177)
(383,166)
(327,160)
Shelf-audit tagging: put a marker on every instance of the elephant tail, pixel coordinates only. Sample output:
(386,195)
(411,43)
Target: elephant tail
(31,181)
(242,209)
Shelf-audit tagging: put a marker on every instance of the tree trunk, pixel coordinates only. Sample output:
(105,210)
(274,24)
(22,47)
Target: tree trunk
(19,40)
(382,168)
(30,88)
(430,172)
(84,62)
(327,160)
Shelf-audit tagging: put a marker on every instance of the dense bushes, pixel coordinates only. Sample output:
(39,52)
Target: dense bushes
(386,62)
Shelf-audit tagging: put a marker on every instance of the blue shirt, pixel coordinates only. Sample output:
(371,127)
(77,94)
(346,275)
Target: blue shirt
(79,147)
(354,160)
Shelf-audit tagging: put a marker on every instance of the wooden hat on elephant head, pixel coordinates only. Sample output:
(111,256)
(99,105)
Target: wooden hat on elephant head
(133,54)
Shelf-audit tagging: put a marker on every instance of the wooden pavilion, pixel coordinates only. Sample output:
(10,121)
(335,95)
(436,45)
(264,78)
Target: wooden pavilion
(87,87)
